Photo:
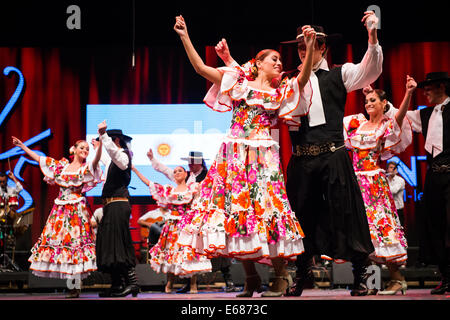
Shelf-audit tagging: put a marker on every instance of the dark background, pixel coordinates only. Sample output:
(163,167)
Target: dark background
(108,23)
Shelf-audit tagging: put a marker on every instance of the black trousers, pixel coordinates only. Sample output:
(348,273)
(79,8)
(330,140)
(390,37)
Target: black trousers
(325,195)
(114,245)
(437,218)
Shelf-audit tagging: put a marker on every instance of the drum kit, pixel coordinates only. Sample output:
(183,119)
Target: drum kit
(13,224)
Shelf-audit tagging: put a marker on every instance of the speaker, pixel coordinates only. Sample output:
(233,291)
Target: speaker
(146,276)
(341,273)
(38,282)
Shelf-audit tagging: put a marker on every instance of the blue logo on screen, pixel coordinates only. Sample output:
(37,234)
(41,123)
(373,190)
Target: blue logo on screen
(16,151)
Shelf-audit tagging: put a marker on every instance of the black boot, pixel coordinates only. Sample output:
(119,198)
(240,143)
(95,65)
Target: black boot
(186,288)
(117,285)
(444,285)
(131,285)
(360,277)
(229,285)
(304,277)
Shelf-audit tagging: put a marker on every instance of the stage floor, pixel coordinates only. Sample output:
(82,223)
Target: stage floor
(311,294)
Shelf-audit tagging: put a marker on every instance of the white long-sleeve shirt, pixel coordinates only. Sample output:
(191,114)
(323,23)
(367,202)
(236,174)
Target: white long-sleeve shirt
(435,134)
(354,77)
(114,154)
(397,186)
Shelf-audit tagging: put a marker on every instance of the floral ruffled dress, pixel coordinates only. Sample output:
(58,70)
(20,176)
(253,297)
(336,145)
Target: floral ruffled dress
(167,255)
(66,247)
(242,210)
(368,149)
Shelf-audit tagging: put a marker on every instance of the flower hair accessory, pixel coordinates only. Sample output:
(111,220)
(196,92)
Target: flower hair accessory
(250,70)
(72,150)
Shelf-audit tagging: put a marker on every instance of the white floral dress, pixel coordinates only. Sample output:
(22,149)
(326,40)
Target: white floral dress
(369,148)
(243,210)
(66,247)
(167,255)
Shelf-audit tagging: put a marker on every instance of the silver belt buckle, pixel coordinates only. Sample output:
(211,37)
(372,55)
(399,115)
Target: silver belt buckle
(332,148)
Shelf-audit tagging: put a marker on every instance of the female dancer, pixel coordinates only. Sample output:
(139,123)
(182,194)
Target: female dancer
(66,246)
(167,255)
(372,141)
(242,210)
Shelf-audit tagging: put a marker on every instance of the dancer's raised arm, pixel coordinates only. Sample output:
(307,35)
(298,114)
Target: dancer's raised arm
(200,67)
(140,175)
(310,37)
(33,155)
(411,85)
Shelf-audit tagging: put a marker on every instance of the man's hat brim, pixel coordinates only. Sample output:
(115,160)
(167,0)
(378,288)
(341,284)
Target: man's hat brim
(119,134)
(193,158)
(428,82)
(330,39)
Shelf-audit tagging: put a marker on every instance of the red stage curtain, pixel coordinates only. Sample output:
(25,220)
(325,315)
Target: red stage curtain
(61,81)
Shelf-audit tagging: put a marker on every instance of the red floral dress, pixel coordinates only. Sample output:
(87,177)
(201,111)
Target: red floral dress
(167,255)
(66,246)
(243,210)
(368,149)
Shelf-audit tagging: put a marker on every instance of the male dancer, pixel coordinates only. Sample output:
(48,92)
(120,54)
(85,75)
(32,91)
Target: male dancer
(115,251)
(434,124)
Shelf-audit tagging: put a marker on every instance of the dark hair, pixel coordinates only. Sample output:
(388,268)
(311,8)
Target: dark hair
(382,96)
(72,156)
(122,142)
(3,174)
(260,56)
(393,163)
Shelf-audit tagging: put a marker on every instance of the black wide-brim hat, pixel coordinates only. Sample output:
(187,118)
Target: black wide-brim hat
(434,77)
(118,133)
(329,39)
(194,157)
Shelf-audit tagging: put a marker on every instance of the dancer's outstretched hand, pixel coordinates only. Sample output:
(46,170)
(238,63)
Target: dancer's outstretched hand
(150,154)
(411,84)
(309,35)
(370,20)
(223,51)
(180,26)
(368,89)
(17,142)
(102,127)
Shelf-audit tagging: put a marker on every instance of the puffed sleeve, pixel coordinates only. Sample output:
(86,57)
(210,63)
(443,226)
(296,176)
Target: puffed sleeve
(91,176)
(396,138)
(290,101)
(219,97)
(51,168)
(160,193)
(351,125)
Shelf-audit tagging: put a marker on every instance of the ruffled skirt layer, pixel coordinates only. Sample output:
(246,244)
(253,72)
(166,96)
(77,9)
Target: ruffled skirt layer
(242,210)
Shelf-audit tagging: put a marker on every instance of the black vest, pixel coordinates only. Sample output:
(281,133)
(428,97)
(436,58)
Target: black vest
(444,156)
(117,180)
(334,96)
(200,177)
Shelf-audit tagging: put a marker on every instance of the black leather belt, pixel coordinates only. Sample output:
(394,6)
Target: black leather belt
(440,168)
(315,149)
(106,201)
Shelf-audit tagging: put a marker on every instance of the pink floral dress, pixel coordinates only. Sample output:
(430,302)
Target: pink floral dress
(66,246)
(368,149)
(243,210)
(167,255)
